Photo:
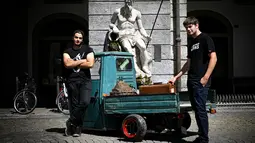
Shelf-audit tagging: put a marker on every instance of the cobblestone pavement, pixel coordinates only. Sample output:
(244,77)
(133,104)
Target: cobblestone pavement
(228,125)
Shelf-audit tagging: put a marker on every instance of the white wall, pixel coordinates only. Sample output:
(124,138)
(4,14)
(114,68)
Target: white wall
(243,36)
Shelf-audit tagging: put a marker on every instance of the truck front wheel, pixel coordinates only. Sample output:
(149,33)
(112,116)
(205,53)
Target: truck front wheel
(134,127)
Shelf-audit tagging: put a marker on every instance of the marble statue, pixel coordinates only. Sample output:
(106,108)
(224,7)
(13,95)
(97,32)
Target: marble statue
(131,39)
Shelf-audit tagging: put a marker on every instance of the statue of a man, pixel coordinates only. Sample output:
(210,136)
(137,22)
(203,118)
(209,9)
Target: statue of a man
(123,23)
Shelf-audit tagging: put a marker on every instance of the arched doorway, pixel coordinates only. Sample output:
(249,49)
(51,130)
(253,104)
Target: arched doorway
(51,36)
(221,31)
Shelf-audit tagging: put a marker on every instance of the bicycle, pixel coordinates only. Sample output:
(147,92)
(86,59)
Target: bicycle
(25,99)
(62,98)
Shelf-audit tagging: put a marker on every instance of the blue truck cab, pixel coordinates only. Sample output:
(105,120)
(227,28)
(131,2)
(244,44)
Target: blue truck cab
(109,68)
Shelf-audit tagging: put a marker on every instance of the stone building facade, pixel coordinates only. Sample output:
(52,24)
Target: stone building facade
(46,26)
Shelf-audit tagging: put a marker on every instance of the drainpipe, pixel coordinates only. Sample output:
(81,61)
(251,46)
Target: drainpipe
(57,85)
(177,40)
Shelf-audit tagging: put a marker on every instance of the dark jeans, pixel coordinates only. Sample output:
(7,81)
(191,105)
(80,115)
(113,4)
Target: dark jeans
(198,96)
(79,98)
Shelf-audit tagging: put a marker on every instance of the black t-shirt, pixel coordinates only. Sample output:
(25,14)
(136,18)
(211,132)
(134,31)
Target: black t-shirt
(198,53)
(77,74)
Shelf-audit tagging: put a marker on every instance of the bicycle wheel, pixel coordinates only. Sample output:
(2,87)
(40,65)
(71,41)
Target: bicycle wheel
(62,103)
(25,102)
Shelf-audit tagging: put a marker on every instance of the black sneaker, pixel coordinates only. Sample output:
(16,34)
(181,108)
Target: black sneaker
(77,132)
(198,140)
(69,128)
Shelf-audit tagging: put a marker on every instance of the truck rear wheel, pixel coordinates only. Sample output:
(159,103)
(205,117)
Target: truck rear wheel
(134,127)
(186,120)
(183,120)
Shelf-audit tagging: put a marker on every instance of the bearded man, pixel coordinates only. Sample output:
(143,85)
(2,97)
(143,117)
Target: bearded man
(123,23)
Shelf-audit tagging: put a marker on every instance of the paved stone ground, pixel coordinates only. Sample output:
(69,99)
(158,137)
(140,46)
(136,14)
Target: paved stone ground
(228,125)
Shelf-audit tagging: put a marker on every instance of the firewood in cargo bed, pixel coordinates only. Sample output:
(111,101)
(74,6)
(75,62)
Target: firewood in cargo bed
(122,88)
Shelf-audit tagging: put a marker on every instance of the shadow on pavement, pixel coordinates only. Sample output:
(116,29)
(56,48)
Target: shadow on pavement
(56,130)
(13,112)
(110,133)
(91,132)
(173,137)
(55,111)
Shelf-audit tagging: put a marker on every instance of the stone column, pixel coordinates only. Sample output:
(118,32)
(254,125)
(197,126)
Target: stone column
(183,37)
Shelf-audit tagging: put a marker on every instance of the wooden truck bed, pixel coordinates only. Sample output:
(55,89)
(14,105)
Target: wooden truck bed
(142,104)
(145,104)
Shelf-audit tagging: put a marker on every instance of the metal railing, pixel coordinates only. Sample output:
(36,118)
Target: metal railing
(235,99)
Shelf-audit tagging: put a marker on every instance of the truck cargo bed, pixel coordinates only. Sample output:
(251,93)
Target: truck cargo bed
(142,104)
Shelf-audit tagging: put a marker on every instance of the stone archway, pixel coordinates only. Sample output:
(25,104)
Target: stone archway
(51,36)
(221,31)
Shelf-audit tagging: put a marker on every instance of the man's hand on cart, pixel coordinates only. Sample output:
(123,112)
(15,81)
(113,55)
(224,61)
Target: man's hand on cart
(172,80)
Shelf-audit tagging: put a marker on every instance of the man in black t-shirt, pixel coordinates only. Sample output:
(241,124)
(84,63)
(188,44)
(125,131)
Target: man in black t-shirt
(201,61)
(78,60)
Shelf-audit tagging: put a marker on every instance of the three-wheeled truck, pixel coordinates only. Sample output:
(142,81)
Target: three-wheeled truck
(132,114)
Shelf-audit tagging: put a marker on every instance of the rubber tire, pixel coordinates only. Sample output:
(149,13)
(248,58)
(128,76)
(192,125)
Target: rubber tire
(66,112)
(186,123)
(186,120)
(141,127)
(17,96)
